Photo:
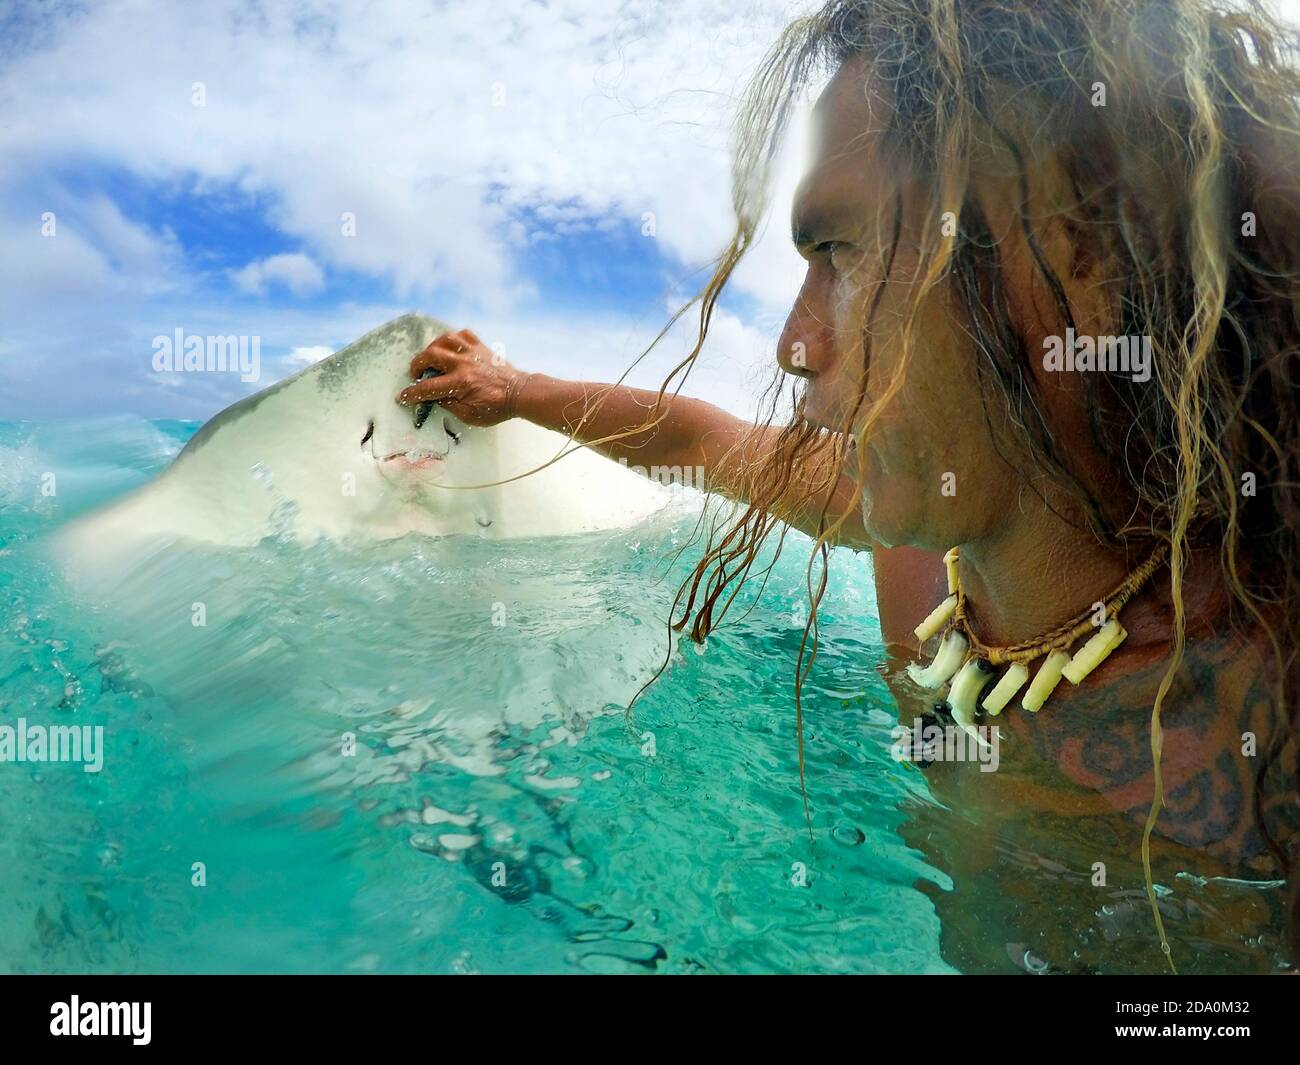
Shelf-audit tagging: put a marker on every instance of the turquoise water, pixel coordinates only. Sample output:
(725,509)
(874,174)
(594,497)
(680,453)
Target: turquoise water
(499,812)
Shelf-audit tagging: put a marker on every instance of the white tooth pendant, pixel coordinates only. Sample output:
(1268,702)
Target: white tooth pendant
(973,679)
(950,567)
(947,660)
(1005,689)
(1045,681)
(936,619)
(1094,652)
(966,688)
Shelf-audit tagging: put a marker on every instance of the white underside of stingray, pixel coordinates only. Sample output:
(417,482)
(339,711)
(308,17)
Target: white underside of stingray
(329,453)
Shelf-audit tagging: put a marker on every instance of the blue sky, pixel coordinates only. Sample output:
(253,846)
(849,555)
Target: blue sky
(174,166)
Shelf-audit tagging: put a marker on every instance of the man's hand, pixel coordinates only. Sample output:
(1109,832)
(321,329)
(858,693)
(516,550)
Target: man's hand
(475,384)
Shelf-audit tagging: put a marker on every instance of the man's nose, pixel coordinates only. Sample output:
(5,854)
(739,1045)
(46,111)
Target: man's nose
(799,348)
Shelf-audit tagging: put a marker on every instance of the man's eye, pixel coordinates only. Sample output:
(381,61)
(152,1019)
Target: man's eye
(836,252)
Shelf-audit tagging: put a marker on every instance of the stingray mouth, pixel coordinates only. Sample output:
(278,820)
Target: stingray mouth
(415,459)
(411,458)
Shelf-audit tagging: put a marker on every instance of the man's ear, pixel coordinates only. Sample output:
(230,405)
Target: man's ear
(1049,256)
(1056,273)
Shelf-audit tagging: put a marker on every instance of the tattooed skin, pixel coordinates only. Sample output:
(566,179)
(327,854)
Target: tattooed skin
(1071,794)
(1100,740)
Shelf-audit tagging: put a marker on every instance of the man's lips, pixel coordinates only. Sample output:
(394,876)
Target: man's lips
(813,405)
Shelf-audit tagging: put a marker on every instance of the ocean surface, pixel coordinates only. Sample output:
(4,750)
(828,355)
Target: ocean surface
(415,756)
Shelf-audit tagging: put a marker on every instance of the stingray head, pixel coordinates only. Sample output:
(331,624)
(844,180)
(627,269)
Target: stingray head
(406,455)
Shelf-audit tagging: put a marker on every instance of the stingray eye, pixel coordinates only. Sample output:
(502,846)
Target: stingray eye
(370,431)
(446,427)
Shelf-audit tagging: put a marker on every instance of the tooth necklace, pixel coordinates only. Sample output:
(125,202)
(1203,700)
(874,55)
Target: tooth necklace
(969,663)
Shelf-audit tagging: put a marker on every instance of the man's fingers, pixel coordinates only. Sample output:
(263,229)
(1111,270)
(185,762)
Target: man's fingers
(440,355)
(430,390)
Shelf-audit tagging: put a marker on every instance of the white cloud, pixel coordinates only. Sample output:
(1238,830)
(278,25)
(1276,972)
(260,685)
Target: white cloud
(441,129)
(430,125)
(151,258)
(61,249)
(297,272)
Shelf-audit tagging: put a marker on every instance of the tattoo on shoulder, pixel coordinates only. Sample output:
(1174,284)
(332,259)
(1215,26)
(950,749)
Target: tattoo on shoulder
(1228,763)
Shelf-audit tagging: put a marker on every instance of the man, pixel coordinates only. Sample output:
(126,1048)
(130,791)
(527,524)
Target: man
(1042,322)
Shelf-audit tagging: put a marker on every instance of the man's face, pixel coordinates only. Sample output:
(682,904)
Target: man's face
(931,475)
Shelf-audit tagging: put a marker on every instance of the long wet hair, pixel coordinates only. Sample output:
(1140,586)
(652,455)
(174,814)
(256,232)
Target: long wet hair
(1184,175)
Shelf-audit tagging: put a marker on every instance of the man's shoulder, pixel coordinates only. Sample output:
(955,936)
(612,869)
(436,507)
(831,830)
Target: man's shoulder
(1228,757)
